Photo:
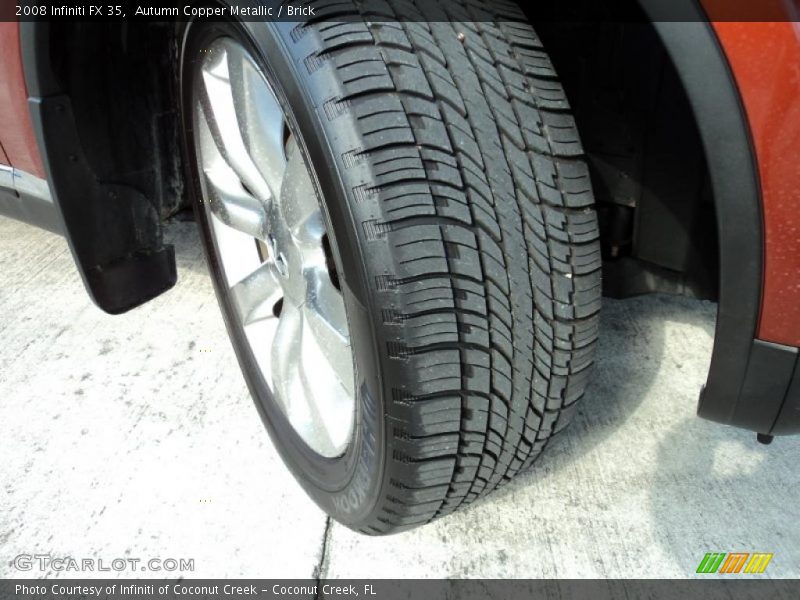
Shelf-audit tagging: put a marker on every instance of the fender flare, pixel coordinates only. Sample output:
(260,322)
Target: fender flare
(725,133)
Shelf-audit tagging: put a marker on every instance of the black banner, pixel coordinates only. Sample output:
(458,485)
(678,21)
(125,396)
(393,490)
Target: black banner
(382,589)
(399,10)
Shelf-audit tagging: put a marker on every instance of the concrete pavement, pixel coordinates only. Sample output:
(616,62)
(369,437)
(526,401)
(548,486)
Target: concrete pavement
(135,437)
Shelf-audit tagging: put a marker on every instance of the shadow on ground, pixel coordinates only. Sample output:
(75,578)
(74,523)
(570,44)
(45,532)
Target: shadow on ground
(630,355)
(690,499)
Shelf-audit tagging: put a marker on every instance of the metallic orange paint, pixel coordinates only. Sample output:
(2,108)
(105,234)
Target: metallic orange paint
(765,60)
(16,130)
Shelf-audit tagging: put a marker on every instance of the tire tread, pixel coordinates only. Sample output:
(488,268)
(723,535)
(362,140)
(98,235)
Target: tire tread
(486,263)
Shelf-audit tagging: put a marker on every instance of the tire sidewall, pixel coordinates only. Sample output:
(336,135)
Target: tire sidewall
(347,487)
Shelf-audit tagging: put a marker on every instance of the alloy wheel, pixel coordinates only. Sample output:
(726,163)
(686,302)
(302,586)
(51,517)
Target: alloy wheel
(271,242)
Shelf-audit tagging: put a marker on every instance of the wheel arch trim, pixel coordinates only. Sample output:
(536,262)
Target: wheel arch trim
(722,122)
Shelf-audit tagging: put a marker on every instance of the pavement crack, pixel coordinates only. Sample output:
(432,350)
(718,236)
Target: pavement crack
(321,567)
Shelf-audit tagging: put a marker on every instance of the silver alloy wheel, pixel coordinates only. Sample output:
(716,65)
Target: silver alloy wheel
(270,239)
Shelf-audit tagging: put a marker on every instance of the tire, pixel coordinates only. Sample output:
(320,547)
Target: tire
(462,226)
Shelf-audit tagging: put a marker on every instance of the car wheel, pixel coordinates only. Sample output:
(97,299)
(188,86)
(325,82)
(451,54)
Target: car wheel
(399,224)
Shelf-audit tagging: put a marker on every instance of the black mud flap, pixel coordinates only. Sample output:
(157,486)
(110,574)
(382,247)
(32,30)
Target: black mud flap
(114,231)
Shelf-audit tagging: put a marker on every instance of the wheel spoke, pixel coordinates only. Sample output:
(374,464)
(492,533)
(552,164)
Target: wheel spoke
(298,201)
(226,197)
(313,399)
(325,320)
(296,383)
(261,118)
(285,368)
(325,360)
(223,119)
(256,295)
(237,251)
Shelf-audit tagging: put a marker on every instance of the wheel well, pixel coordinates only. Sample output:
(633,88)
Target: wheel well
(648,164)
(693,67)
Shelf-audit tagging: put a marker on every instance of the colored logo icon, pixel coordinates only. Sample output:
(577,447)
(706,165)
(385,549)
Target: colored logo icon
(734,562)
